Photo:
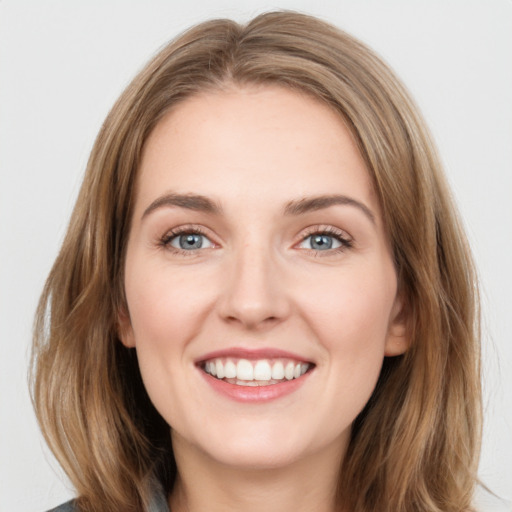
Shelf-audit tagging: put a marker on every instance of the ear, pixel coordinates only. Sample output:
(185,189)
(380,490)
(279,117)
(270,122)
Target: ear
(398,338)
(125,329)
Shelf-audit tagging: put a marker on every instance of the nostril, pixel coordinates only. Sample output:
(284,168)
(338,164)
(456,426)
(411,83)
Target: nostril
(252,321)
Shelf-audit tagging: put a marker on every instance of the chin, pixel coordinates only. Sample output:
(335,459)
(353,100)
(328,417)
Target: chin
(246,454)
(249,444)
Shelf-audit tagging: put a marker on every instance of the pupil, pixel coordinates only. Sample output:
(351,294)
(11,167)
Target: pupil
(190,241)
(321,242)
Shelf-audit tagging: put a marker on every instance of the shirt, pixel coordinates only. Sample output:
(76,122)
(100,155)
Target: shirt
(158,504)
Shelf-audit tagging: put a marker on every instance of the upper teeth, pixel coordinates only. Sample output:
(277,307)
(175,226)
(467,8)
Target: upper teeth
(258,370)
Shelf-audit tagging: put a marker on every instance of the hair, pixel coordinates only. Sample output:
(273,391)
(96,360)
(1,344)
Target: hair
(415,446)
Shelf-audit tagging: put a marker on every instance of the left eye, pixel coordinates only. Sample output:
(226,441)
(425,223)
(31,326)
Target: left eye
(321,242)
(190,241)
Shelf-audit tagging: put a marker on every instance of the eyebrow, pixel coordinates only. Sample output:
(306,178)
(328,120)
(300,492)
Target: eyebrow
(189,201)
(309,204)
(297,207)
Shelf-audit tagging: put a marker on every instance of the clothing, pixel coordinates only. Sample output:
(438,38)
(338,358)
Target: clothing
(66,507)
(158,504)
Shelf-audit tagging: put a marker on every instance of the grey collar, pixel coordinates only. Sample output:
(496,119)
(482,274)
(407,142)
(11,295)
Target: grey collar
(159,501)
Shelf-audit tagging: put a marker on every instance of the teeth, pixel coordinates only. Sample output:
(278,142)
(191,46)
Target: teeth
(211,368)
(262,371)
(250,383)
(278,371)
(219,367)
(244,372)
(230,370)
(289,371)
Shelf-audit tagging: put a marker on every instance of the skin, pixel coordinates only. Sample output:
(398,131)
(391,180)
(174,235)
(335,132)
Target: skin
(257,283)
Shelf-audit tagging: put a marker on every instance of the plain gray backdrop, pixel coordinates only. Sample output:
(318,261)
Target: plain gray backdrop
(62,65)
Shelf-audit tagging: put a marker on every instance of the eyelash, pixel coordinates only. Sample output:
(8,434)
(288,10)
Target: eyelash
(165,241)
(339,235)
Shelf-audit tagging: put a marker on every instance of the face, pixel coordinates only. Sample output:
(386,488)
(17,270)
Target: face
(261,293)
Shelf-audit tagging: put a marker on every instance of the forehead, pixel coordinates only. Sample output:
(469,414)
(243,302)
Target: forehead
(252,141)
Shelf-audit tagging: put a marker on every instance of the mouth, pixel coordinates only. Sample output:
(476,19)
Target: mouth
(255,372)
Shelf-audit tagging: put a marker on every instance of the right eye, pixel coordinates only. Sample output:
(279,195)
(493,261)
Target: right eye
(188,241)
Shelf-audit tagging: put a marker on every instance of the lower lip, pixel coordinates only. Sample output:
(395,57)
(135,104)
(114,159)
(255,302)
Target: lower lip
(255,393)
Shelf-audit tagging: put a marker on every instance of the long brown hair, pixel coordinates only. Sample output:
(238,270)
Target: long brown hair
(415,446)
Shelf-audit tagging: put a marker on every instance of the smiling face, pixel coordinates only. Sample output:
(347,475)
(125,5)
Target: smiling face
(260,287)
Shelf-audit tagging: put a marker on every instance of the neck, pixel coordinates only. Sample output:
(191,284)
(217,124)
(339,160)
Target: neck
(301,486)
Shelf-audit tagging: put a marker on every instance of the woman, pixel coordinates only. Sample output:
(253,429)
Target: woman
(265,297)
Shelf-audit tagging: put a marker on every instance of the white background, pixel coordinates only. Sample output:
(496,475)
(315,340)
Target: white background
(62,65)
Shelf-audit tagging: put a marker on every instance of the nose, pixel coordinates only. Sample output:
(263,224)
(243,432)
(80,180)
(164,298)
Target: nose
(254,295)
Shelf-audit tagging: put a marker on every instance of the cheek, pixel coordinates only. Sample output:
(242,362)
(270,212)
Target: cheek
(351,322)
(163,320)
(355,307)
(165,306)
(164,316)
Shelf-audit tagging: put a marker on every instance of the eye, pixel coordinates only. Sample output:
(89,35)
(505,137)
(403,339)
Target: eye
(187,241)
(325,240)
(320,242)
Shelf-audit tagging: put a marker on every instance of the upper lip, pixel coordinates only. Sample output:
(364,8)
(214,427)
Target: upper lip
(252,354)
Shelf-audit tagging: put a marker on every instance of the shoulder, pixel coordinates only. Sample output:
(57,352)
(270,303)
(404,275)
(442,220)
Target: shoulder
(158,503)
(65,507)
